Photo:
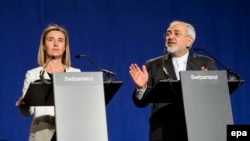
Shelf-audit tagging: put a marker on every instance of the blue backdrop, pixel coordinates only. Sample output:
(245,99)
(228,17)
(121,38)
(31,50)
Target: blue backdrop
(116,33)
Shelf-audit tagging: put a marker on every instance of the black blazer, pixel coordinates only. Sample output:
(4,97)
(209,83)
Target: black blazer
(155,70)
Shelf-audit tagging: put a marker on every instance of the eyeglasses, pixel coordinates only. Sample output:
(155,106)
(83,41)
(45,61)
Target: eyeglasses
(176,34)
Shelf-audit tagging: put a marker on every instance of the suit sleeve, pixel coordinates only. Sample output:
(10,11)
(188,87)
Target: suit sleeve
(141,103)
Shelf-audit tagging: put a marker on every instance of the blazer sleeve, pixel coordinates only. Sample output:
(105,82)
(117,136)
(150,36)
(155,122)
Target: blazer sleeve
(26,110)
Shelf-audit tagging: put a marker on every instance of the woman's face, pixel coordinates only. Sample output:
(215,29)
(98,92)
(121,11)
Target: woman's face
(55,44)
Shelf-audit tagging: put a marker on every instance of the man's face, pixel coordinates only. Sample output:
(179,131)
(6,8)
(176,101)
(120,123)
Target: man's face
(177,40)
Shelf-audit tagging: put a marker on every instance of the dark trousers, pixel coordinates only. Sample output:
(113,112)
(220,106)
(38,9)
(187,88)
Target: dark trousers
(168,131)
(168,124)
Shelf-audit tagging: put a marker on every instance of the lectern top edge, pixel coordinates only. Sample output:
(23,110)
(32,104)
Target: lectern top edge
(40,92)
(170,90)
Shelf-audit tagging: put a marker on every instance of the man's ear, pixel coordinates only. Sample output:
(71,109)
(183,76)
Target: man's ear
(190,41)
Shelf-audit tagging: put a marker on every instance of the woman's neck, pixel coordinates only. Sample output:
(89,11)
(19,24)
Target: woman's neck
(55,66)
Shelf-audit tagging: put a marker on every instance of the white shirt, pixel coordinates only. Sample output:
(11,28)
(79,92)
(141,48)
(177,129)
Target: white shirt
(180,64)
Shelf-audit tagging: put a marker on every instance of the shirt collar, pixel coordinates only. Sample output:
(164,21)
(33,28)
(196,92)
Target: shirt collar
(182,58)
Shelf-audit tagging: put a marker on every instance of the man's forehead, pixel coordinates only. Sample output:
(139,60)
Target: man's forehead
(176,27)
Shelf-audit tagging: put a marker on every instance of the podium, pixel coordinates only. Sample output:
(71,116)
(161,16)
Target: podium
(206,99)
(79,99)
(40,93)
(110,89)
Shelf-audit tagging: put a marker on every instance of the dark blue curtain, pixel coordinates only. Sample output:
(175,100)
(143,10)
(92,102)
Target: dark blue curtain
(116,33)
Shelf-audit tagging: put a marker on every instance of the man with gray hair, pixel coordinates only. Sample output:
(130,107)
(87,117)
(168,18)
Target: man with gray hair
(167,121)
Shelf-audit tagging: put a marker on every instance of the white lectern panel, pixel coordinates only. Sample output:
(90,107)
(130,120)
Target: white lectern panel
(207,105)
(80,106)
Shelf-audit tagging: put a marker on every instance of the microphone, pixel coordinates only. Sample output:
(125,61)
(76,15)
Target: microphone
(229,70)
(107,72)
(163,64)
(41,74)
(43,71)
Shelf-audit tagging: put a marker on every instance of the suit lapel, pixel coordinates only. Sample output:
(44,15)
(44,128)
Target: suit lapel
(191,63)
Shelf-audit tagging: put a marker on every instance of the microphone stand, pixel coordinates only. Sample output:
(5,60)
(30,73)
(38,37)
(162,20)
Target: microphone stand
(231,74)
(41,75)
(107,73)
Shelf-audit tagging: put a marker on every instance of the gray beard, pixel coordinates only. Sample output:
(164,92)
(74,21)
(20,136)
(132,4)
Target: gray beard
(173,49)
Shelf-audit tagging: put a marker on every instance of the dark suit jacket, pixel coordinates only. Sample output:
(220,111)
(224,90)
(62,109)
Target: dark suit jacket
(162,112)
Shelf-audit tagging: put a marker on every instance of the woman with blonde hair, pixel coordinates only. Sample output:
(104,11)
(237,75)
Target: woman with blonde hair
(53,56)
